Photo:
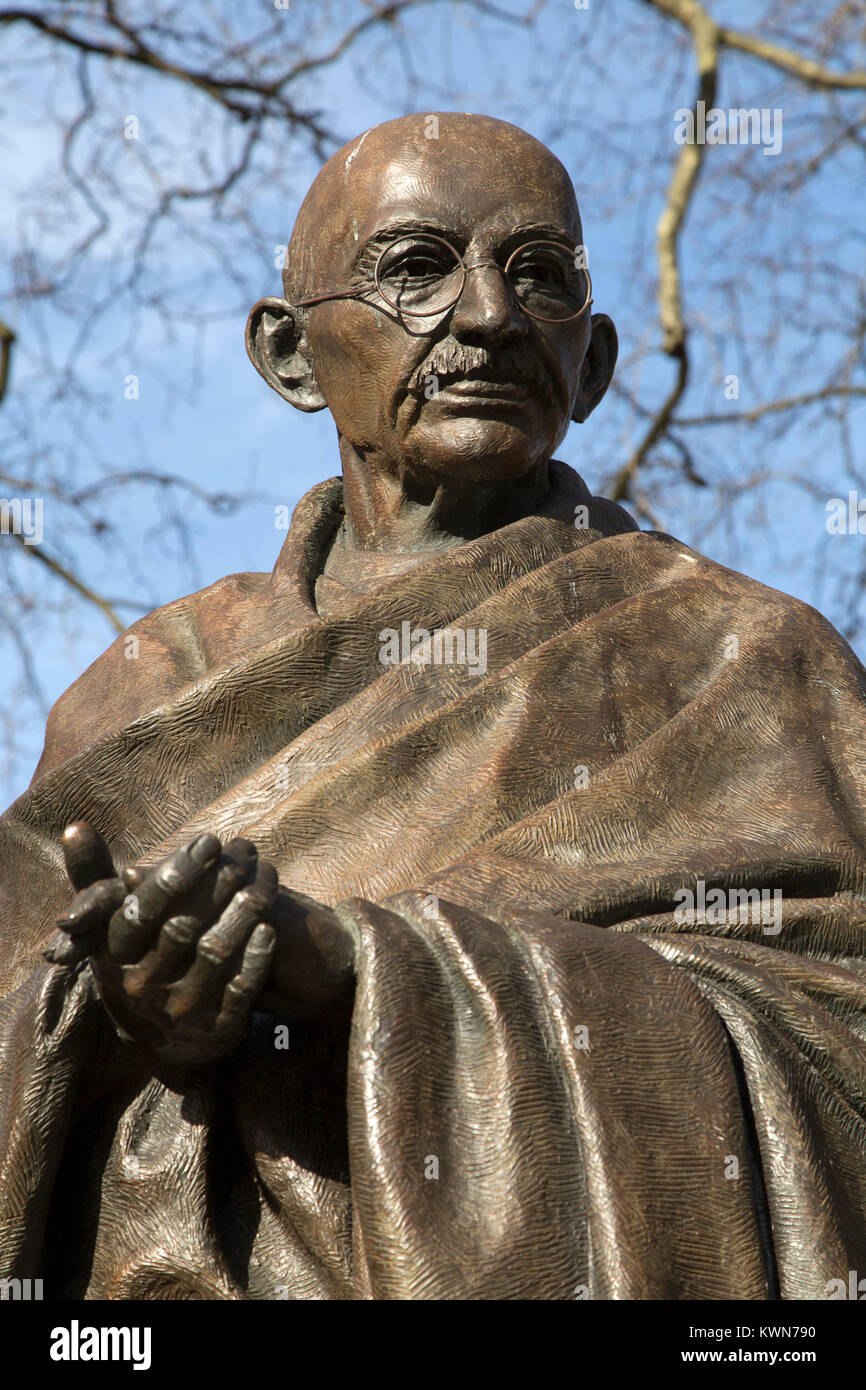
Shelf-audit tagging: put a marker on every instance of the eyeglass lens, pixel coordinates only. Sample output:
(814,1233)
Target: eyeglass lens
(424,275)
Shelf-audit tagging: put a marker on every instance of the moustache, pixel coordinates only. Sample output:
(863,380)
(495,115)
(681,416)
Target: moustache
(450,360)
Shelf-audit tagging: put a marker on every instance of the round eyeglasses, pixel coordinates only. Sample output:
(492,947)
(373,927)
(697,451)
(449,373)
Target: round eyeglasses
(424,275)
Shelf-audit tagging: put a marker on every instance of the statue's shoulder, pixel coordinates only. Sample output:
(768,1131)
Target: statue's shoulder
(784,626)
(190,637)
(161,653)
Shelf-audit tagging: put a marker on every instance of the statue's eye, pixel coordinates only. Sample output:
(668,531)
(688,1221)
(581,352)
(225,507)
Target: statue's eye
(417,265)
(419,275)
(542,268)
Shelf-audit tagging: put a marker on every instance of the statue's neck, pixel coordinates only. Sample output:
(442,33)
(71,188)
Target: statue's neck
(400,517)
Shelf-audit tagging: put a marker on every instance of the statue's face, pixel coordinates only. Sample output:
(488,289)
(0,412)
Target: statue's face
(496,411)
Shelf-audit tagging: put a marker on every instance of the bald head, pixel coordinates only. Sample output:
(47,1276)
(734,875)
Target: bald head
(441,169)
(480,389)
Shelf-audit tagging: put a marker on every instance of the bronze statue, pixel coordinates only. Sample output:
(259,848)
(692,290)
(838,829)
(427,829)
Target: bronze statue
(474,906)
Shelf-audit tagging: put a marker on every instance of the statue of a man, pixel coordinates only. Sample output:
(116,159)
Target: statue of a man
(474,906)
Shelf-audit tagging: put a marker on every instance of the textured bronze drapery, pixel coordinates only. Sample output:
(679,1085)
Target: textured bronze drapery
(530,1014)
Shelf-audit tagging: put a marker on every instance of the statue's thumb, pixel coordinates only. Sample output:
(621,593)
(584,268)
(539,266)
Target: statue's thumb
(85,854)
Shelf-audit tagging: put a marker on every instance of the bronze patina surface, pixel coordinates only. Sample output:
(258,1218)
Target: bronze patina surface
(472,907)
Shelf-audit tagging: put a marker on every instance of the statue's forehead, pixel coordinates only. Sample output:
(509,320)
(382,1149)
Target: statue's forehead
(451,192)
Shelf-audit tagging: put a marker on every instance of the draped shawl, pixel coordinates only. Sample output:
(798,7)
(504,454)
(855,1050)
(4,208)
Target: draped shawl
(558,1082)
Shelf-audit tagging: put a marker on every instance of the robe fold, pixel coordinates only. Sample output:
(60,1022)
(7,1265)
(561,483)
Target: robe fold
(593,809)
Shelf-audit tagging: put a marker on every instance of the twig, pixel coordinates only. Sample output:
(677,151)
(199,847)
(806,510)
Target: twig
(72,580)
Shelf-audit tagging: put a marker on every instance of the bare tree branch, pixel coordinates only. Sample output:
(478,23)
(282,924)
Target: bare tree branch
(682,185)
(620,488)
(792,63)
(38,553)
(7,338)
(708,39)
(694,17)
(668,228)
(769,408)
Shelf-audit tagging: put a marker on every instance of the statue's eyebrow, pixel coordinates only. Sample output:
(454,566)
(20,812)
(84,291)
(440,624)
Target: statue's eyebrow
(390,231)
(538,231)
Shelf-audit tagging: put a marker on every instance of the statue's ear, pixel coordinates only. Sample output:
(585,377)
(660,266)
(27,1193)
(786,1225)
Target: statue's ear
(597,368)
(278,350)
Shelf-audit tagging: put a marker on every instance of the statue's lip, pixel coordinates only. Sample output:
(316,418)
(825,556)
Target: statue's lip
(478,384)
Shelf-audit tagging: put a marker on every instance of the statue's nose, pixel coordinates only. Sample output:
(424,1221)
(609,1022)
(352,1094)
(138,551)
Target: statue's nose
(487,309)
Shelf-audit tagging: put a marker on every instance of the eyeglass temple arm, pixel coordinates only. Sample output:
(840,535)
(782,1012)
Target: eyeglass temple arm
(335,294)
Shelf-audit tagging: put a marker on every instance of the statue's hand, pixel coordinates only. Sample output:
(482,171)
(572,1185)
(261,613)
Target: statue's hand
(181,953)
(312,976)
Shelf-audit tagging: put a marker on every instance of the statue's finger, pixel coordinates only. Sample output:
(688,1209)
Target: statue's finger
(244,987)
(133,876)
(237,866)
(171,953)
(168,958)
(69,950)
(217,947)
(240,849)
(160,894)
(91,908)
(85,854)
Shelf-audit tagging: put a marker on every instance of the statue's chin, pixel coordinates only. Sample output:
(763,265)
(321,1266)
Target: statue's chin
(485,447)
